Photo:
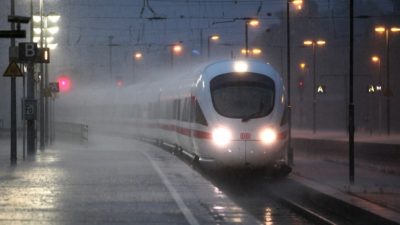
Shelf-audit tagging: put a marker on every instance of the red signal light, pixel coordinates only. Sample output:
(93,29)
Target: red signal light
(301,84)
(120,83)
(64,83)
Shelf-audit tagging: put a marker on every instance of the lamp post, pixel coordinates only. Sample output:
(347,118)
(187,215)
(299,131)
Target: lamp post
(209,39)
(248,21)
(314,44)
(44,26)
(377,60)
(253,52)
(137,56)
(387,92)
(253,23)
(289,106)
(176,49)
(304,71)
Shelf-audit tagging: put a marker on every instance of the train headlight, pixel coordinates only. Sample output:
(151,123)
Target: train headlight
(221,136)
(240,66)
(268,136)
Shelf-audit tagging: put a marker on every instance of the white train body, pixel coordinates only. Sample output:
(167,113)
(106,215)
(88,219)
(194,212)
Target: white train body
(205,113)
(228,113)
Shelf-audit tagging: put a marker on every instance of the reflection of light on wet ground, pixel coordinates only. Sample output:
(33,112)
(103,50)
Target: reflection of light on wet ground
(268,217)
(217,191)
(230,213)
(35,189)
(48,158)
(218,207)
(237,220)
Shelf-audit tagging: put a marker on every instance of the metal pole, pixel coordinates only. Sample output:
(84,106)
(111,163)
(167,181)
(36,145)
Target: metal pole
(314,89)
(46,103)
(133,68)
(388,91)
(172,58)
(13,127)
(110,38)
(52,118)
(289,106)
(42,80)
(30,89)
(380,98)
(208,47)
(31,131)
(46,84)
(246,38)
(23,120)
(351,103)
(201,45)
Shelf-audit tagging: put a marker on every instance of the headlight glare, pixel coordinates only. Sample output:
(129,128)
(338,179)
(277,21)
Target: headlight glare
(221,136)
(268,136)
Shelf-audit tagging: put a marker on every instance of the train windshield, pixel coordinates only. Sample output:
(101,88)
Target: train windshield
(244,96)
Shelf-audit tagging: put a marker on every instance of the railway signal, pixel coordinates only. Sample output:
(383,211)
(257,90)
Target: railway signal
(64,83)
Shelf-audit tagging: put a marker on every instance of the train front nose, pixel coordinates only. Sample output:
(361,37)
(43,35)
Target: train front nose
(249,149)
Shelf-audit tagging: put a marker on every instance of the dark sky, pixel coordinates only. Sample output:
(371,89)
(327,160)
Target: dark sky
(86,26)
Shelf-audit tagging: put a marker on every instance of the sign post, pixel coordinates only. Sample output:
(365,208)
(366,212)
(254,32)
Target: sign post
(14,71)
(28,53)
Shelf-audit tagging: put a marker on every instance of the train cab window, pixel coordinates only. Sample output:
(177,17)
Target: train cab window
(186,110)
(199,115)
(177,109)
(244,96)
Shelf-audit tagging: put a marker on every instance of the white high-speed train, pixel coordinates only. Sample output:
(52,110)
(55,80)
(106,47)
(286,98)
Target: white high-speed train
(230,113)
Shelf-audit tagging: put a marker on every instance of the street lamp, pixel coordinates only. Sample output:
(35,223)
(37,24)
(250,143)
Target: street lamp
(254,51)
(314,44)
(298,4)
(48,26)
(302,66)
(253,23)
(248,21)
(137,56)
(388,93)
(289,106)
(209,39)
(176,49)
(377,60)
(45,26)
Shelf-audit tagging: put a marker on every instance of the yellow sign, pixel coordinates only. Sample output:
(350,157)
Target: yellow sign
(13,70)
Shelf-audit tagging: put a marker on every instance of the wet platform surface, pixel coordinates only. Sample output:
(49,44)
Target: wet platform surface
(121,181)
(321,159)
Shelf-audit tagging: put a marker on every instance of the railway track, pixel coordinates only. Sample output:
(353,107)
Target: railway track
(257,194)
(260,191)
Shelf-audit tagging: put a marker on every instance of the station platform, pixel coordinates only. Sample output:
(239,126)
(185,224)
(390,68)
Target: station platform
(376,187)
(320,163)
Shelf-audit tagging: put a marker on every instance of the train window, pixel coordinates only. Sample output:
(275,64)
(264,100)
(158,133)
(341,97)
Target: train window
(246,96)
(199,115)
(177,109)
(170,110)
(186,110)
